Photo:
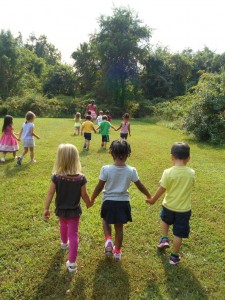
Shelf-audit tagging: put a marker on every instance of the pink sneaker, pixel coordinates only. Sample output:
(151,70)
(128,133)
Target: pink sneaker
(117,255)
(108,247)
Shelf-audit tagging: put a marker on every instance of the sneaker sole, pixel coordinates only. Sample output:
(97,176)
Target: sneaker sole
(108,251)
(163,246)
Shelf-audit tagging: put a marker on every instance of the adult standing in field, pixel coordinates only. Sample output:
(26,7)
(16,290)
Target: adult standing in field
(93,109)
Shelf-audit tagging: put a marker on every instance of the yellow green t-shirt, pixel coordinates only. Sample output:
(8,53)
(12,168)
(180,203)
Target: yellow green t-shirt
(87,126)
(178,182)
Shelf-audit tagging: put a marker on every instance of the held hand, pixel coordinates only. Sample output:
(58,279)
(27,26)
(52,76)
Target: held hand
(46,215)
(150,201)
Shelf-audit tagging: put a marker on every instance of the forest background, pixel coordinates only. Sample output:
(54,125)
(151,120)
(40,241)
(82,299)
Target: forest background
(122,71)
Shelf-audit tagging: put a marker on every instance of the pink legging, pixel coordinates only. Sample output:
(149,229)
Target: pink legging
(69,232)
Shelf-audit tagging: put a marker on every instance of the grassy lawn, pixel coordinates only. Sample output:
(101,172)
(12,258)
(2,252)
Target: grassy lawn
(32,265)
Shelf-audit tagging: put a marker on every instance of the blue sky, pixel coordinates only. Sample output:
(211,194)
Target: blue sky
(177,24)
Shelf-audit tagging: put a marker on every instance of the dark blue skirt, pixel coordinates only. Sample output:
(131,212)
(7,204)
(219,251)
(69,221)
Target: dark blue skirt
(116,212)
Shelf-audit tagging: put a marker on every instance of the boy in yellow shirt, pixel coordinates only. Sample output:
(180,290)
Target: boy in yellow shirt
(177,182)
(86,129)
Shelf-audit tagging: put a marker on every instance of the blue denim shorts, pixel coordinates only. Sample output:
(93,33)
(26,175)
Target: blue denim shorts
(179,220)
(105,138)
(87,136)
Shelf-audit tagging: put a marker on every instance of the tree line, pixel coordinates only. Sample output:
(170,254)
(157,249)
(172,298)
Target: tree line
(117,66)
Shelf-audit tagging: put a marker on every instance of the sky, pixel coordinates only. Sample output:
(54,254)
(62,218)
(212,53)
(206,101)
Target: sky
(176,24)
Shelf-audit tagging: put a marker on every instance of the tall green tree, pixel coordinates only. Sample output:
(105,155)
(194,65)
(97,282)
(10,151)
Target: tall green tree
(86,66)
(9,52)
(42,48)
(120,46)
(60,80)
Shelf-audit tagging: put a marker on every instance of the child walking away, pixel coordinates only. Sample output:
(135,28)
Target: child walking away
(116,209)
(69,184)
(86,128)
(99,118)
(124,127)
(8,141)
(77,125)
(177,182)
(27,133)
(109,118)
(104,130)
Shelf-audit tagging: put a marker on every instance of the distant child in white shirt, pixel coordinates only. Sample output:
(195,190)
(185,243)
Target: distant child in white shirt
(99,118)
(77,124)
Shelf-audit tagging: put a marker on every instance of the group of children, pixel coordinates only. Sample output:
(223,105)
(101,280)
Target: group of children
(69,185)
(9,139)
(104,124)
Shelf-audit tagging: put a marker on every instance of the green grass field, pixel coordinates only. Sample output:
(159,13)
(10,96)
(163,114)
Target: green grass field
(32,265)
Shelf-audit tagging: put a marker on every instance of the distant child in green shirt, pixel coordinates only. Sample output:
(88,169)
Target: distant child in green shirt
(104,130)
(177,182)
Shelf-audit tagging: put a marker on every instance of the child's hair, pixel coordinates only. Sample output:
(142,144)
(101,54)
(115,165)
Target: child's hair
(77,117)
(180,150)
(120,149)
(101,112)
(104,117)
(126,116)
(30,116)
(88,117)
(92,101)
(8,120)
(107,112)
(89,112)
(67,160)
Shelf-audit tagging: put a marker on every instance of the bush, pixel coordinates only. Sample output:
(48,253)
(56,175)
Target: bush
(206,117)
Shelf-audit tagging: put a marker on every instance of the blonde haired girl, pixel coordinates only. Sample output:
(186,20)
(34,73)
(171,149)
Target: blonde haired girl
(69,184)
(77,125)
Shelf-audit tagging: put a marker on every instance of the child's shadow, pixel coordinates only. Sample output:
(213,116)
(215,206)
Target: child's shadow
(12,170)
(110,281)
(54,285)
(181,282)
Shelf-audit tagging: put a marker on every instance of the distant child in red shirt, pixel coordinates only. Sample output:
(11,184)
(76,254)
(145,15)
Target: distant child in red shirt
(109,118)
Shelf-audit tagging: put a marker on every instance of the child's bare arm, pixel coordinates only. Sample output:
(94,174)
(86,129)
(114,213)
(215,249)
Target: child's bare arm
(99,187)
(142,188)
(51,192)
(34,134)
(119,127)
(113,127)
(129,129)
(157,195)
(85,196)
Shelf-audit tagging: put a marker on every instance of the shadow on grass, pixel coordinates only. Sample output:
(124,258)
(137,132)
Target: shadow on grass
(55,284)
(12,170)
(111,281)
(181,282)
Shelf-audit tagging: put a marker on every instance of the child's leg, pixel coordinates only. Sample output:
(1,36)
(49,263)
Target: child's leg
(14,154)
(73,224)
(25,150)
(63,230)
(118,236)
(87,144)
(31,153)
(165,228)
(107,228)
(177,241)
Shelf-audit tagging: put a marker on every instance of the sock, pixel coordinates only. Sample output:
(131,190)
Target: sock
(174,254)
(116,250)
(164,237)
(108,237)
